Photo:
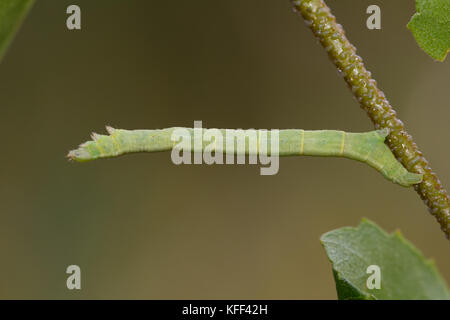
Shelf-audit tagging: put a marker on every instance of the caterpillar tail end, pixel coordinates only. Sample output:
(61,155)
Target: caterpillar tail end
(406,179)
(383,133)
(409,179)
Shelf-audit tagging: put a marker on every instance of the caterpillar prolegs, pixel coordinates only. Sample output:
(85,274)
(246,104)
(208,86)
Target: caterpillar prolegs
(367,147)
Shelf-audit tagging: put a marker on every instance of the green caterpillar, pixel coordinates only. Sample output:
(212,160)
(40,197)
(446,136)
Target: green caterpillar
(367,147)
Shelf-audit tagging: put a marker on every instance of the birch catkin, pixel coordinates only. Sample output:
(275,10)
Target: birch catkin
(323,24)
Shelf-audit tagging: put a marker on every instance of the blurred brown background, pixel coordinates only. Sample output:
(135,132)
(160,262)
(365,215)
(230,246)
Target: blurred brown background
(141,227)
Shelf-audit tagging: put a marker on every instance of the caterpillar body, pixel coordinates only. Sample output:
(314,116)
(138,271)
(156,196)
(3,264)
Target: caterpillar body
(367,147)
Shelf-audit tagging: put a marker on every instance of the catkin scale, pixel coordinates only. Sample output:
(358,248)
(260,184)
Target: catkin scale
(368,147)
(323,24)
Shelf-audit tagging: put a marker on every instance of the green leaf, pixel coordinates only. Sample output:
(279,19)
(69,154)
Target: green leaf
(431,27)
(405,273)
(12,13)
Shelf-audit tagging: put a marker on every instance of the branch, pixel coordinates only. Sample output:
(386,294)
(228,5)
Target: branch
(331,35)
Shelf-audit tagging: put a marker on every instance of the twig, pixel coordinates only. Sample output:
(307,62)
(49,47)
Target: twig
(323,24)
